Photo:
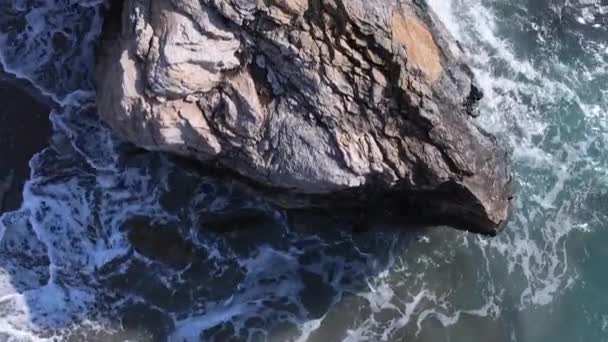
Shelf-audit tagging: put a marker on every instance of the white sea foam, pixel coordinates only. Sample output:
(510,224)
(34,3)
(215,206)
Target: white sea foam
(507,111)
(31,54)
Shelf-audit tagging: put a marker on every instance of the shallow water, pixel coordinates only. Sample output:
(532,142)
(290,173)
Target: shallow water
(81,259)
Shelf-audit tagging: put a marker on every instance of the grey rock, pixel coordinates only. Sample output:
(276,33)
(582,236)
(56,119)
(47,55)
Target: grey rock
(317,103)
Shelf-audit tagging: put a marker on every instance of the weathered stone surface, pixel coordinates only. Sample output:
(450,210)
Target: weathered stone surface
(325,102)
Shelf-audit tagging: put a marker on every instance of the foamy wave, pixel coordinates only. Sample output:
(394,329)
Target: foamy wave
(50,43)
(524,106)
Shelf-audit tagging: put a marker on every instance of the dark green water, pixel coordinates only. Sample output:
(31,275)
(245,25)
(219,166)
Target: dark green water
(113,244)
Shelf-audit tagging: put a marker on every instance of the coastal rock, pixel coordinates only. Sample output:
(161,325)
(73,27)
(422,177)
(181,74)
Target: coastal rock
(326,103)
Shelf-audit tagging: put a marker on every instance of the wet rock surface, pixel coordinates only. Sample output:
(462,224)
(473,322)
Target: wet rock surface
(315,104)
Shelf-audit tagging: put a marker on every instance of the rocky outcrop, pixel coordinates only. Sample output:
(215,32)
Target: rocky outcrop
(320,103)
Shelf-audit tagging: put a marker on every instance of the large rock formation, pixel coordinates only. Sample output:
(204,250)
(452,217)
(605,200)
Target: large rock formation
(320,102)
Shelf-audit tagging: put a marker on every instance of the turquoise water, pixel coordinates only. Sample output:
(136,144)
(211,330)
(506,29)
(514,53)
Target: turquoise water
(74,266)
(544,67)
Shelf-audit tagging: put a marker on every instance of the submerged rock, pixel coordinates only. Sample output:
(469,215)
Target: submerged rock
(327,103)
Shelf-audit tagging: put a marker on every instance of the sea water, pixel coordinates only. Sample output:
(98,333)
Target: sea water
(76,265)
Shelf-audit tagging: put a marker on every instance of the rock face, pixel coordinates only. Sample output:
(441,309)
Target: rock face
(321,103)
